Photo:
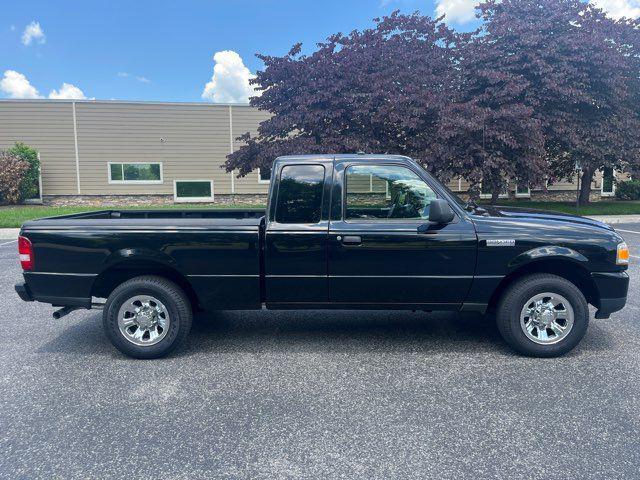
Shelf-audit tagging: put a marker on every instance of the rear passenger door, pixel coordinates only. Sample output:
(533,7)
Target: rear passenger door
(296,235)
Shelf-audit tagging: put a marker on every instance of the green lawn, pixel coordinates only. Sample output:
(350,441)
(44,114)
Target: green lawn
(15,216)
(612,207)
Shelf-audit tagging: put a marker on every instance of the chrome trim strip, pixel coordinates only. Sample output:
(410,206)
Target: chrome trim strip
(297,276)
(291,276)
(385,276)
(224,276)
(125,230)
(63,274)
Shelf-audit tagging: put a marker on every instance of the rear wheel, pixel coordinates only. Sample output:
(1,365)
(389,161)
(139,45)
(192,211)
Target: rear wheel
(543,315)
(147,317)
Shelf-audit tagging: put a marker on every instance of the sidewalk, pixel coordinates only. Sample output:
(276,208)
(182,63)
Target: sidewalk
(7,234)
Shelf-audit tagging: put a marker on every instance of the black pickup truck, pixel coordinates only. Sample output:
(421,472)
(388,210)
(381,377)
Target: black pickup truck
(342,232)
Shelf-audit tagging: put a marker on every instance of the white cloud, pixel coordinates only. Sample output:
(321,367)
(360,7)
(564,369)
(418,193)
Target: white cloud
(139,78)
(16,85)
(619,8)
(230,80)
(67,92)
(456,11)
(33,33)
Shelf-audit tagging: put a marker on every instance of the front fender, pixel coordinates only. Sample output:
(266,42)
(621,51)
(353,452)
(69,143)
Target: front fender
(547,252)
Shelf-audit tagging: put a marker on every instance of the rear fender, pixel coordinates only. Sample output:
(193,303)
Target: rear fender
(127,255)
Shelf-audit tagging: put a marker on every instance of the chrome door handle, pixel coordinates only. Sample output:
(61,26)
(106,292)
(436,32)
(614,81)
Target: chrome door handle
(352,240)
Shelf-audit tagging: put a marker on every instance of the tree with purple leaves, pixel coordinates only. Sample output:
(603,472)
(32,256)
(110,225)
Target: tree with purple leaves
(581,73)
(378,90)
(488,134)
(543,85)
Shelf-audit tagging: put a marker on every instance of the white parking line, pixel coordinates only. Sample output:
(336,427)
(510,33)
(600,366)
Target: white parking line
(7,243)
(627,231)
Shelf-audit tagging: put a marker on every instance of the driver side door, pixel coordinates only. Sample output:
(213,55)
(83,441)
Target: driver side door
(376,255)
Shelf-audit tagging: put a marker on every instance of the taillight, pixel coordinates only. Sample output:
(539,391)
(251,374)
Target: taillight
(25,249)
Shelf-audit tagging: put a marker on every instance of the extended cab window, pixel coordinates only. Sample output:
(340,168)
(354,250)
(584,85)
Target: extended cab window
(386,192)
(300,194)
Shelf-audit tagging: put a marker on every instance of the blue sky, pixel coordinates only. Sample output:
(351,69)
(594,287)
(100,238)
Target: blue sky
(164,50)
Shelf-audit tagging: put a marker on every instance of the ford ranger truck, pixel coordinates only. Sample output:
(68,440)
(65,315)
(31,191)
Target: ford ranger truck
(358,232)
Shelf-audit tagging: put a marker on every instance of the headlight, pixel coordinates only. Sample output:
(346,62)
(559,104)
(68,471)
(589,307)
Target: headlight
(622,254)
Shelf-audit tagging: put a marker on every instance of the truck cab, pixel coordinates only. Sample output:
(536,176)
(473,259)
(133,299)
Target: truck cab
(354,231)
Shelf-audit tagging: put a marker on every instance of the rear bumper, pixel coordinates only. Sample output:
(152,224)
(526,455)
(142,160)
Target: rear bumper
(23,292)
(612,290)
(26,294)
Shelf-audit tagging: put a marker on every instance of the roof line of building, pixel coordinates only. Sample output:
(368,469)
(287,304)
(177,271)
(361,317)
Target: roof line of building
(142,102)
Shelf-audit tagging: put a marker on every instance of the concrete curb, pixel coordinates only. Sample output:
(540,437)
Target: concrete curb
(7,234)
(613,219)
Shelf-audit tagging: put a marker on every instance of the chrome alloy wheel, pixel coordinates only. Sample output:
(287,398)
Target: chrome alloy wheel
(546,318)
(143,320)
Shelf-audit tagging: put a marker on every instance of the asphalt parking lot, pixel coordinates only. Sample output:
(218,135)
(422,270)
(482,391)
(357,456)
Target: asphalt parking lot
(274,395)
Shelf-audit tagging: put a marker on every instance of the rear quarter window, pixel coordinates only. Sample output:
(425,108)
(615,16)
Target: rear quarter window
(300,194)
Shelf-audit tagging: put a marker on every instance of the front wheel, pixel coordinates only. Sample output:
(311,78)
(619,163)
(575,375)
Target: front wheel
(147,317)
(543,315)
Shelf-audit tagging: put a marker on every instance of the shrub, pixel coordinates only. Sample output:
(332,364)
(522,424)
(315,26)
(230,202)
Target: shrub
(29,188)
(629,190)
(12,173)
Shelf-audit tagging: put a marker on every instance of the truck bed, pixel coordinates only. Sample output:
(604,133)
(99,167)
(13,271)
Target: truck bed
(214,253)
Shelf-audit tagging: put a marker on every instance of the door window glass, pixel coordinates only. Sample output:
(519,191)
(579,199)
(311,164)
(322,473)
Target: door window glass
(300,194)
(386,192)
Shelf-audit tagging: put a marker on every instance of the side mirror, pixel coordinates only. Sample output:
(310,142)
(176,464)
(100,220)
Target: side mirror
(440,211)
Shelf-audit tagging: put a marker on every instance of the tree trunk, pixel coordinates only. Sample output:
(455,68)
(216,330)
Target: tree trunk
(585,185)
(495,193)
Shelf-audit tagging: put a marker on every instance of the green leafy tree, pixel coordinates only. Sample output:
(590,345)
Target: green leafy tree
(29,186)
(12,171)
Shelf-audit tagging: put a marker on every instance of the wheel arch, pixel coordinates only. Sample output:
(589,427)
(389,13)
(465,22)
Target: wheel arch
(565,267)
(125,269)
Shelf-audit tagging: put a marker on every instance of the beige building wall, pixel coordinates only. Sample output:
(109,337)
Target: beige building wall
(48,127)
(78,139)
(190,141)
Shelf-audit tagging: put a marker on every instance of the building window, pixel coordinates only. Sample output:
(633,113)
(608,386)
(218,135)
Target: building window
(608,188)
(486,192)
(523,191)
(264,175)
(193,191)
(135,172)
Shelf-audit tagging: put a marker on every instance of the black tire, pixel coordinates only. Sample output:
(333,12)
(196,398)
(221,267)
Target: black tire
(171,296)
(513,300)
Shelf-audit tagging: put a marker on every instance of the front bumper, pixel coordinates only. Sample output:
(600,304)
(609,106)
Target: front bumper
(23,292)
(612,290)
